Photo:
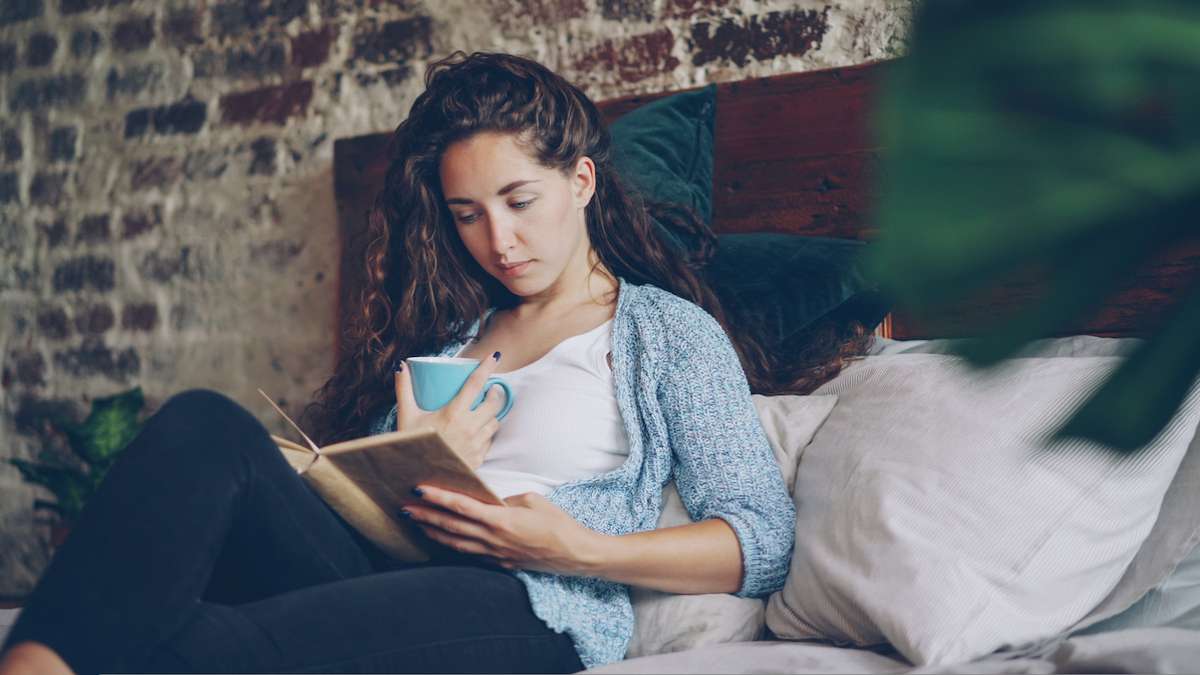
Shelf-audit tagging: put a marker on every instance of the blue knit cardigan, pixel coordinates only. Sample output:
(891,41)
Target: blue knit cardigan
(686,407)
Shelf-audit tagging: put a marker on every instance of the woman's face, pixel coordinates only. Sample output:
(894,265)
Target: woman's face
(508,209)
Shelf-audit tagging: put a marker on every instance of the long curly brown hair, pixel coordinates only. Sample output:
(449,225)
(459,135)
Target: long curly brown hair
(423,289)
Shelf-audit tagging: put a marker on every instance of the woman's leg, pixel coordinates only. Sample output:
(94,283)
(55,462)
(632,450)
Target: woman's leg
(202,483)
(436,619)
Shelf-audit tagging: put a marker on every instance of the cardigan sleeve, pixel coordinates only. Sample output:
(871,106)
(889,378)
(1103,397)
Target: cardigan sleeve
(723,463)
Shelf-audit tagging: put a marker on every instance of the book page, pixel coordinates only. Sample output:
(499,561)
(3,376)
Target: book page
(387,467)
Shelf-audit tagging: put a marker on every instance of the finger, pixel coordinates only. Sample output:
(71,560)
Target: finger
(405,399)
(486,432)
(448,522)
(493,401)
(459,504)
(456,542)
(474,384)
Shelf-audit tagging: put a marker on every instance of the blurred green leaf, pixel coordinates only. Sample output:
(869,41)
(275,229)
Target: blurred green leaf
(70,486)
(1053,138)
(96,442)
(1147,389)
(111,425)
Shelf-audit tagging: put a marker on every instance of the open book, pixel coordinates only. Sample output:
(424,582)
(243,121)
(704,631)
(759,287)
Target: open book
(368,480)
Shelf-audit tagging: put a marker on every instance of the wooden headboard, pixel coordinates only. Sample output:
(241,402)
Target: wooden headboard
(794,154)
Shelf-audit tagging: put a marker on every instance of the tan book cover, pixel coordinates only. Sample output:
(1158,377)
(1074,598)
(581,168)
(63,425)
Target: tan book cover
(368,480)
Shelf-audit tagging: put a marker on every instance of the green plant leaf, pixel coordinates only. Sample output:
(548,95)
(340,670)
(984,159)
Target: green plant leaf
(1146,391)
(70,486)
(1057,138)
(111,425)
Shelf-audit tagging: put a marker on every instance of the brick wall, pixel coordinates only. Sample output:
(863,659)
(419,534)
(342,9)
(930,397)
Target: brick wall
(166,197)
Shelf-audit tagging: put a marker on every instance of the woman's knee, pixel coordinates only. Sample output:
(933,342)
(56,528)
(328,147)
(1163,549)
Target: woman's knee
(204,415)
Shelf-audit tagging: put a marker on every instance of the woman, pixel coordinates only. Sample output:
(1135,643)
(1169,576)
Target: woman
(504,234)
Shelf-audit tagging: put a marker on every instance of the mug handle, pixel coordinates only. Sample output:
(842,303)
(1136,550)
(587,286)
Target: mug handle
(508,396)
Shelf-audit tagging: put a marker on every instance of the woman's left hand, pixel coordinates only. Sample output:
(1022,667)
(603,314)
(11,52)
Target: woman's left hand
(530,533)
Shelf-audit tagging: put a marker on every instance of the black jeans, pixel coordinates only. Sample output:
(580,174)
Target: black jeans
(203,550)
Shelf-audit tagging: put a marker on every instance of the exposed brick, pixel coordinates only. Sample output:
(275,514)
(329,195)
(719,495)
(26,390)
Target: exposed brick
(88,271)
(791,33)
(393,41)
(96,358)
(62,144)
(53,323)
(40,50)
(687,8)
(236,17)
(627,10)
(517,15)
(139,222)
(48,92)
(256,61)
(94,319)
(33,412)
(133,80)
(85,42)
(263,162)
(185,117)
(93,228)
(141,316)
(137,122)
(13,149)
(77,6)
(206,63)
(272,105)
(632,59)
(312,48)
(284,11)
(47,188)
(161,268)
(153,172)
(181,27)
(276,253)
(8,57)
(10,187)
(206,164)
(133,34)
(14,11)
(29,367)
(55,232)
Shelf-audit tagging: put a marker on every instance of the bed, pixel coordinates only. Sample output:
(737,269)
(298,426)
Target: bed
(794,156)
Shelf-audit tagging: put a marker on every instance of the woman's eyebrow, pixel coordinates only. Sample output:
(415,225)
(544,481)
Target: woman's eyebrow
(503,191)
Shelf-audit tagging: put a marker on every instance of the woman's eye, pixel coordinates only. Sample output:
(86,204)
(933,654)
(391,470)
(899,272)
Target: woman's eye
(520,206)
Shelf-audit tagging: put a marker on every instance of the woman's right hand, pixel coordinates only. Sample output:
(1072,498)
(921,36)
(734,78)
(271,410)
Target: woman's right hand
(468,432)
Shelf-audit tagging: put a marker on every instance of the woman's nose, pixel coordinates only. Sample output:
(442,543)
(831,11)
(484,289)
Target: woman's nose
(502,234)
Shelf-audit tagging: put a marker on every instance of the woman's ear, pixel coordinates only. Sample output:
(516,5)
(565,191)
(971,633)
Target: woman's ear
(583,183)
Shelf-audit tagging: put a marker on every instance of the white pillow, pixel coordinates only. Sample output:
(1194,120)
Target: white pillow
(667,622)
(933,514)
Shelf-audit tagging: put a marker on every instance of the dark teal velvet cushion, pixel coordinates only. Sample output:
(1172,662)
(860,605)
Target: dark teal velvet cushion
(774,284)
(664,149)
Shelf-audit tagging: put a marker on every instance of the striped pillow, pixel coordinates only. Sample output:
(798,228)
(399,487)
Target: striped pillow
(933,514)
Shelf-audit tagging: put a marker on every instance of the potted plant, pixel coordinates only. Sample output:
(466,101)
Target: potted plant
(93,445)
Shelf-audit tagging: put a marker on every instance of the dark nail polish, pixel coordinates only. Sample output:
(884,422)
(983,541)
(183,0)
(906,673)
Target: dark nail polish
(496,356)
(406,513)
(418,492)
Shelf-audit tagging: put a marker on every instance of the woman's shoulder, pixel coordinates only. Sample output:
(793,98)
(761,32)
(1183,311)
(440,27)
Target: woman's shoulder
(674,321)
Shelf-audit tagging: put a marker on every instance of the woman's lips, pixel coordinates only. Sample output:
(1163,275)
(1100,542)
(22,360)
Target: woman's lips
(517,270)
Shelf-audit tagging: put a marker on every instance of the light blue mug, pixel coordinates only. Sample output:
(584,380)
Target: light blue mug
(438,379)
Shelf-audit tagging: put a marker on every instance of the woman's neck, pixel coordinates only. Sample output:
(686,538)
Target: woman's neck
(598,290)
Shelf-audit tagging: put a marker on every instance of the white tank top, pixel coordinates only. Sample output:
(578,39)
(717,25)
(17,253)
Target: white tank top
(564,425)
